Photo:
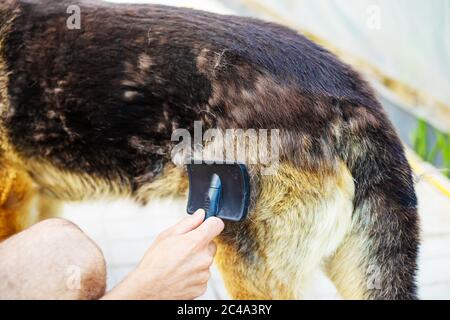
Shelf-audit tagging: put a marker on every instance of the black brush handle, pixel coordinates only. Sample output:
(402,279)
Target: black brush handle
(212,200)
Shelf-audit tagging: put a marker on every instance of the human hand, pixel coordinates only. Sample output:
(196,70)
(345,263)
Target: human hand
(177,265)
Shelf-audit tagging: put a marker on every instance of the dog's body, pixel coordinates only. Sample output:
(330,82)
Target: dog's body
(90,112)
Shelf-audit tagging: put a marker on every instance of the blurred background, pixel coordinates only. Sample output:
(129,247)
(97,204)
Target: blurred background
(403,48)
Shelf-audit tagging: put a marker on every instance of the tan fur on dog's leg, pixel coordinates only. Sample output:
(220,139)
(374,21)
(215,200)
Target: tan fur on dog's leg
(241,283)
(16,201)
(48,207)
(299,218)
(346,271)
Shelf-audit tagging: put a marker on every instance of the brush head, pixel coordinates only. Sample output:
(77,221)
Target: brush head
(233,180)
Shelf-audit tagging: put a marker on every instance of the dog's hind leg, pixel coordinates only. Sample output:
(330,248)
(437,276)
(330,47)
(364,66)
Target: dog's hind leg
(349,270)
(297,220)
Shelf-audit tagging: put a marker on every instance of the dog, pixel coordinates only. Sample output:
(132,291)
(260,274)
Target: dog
(88,112)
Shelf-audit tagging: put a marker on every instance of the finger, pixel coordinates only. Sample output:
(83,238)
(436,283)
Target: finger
(189,223)
(212,248)
(201,278)
(208,230)
(198,291)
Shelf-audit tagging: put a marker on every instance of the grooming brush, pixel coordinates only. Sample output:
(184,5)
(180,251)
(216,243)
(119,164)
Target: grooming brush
(222,190)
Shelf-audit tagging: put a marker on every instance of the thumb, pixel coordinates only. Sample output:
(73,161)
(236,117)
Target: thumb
(188,223)
(208,230)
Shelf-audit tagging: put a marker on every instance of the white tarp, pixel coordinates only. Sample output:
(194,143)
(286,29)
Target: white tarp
(408,40)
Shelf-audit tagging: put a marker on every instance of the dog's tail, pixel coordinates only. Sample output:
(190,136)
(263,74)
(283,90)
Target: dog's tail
(386,232)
